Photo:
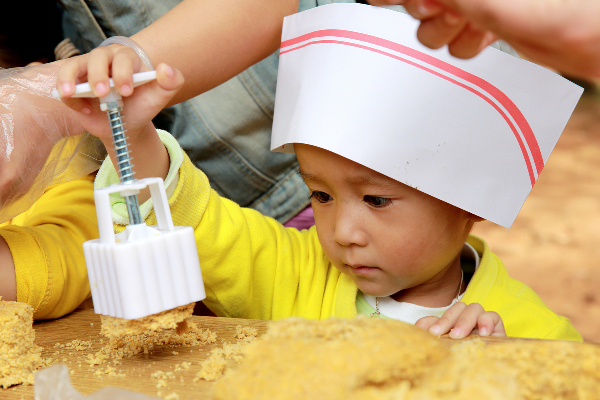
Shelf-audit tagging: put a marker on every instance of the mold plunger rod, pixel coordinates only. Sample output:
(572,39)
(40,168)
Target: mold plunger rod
(125,167)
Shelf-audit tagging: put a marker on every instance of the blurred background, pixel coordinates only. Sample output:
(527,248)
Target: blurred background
(554,244)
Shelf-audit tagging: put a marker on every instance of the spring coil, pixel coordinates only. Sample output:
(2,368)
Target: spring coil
(124,167)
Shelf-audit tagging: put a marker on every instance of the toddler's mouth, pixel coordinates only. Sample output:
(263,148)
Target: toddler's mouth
(362,269)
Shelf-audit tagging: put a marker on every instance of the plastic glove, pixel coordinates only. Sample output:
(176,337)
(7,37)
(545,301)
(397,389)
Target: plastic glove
(41,143)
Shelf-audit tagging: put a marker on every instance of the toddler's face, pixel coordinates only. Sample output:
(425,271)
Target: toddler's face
(383,234)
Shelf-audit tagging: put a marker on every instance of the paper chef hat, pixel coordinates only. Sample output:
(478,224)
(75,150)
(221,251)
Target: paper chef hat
(354,80)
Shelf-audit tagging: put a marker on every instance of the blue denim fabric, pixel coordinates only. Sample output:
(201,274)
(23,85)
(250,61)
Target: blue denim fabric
(225,131)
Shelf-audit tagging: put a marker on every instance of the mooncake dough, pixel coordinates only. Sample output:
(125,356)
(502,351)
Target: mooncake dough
(551,369)
(333,359)
(365,358)
(117,327)
(19,355)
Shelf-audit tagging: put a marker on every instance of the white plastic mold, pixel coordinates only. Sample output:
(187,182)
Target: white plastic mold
(144,269)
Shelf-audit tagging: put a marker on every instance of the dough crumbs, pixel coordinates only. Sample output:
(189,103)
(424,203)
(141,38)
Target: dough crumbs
(118,348)
(244,332)
(118,327)
(19,355)
(182,366)
(216,364)
(161,384)
(172,396)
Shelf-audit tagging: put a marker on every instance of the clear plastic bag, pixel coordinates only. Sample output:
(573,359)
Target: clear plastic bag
(54,383)
(41,142)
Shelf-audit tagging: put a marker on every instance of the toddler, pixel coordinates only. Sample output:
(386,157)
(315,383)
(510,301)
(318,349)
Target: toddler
(379,247)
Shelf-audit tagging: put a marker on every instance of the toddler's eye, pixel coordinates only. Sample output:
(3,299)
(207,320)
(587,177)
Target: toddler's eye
(320,197)
(378,202)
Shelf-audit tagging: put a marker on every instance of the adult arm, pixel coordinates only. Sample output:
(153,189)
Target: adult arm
(564,35)
(208,41)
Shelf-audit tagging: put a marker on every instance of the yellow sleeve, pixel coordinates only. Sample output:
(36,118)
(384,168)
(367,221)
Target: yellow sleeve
(46,244)
(564,331)
(252,266)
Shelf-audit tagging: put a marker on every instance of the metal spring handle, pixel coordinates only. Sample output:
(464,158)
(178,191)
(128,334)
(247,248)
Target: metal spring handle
(124,165)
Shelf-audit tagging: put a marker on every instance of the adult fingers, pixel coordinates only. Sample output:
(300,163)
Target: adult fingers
(426,323)
(386,2)
(490,323)
(448,320)
(467,321)
(99,63)
(469,42)
(125,63)
(423,9)
(441,29)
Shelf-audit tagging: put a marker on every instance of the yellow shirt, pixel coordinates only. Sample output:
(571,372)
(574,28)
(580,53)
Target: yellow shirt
(254,267)
(46,244)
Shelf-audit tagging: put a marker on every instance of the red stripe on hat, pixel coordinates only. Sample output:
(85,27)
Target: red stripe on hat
(493,91)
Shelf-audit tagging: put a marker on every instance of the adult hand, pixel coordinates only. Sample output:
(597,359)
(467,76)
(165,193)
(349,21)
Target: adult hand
(32,123)
(564,35)
(461,320)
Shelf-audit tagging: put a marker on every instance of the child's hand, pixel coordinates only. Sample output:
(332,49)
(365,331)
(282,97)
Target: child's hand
(151,157)
(461,320)
(116,61)
(138,110)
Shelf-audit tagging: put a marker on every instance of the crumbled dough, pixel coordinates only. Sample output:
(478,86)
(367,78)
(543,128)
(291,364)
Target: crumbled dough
(551,369)
(116,327)
(182,366)
(216,364)
(243,332)
(161,384)
(172,396)
(118,348)
(332,359)
(19,355)
(365,358)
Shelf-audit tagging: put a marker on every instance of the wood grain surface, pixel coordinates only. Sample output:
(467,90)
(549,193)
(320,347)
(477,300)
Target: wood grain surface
(85,325)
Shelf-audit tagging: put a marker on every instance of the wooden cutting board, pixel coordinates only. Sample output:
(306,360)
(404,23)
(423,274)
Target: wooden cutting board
(85,325)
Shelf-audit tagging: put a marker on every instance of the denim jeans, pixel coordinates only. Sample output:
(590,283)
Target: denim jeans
(225,131)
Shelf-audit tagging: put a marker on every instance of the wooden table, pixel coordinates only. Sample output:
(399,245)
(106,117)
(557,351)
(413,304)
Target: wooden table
(85,325)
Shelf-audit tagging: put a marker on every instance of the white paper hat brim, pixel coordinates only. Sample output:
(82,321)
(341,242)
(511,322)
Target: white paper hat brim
(354,80)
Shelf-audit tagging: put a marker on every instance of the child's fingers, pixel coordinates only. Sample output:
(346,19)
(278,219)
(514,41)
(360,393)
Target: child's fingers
(125,63)
(81,105)
(467,321)
(448,320)
(426,323)
(169,78)
(150,98)
(99,64)
(490,323)
(68,74)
